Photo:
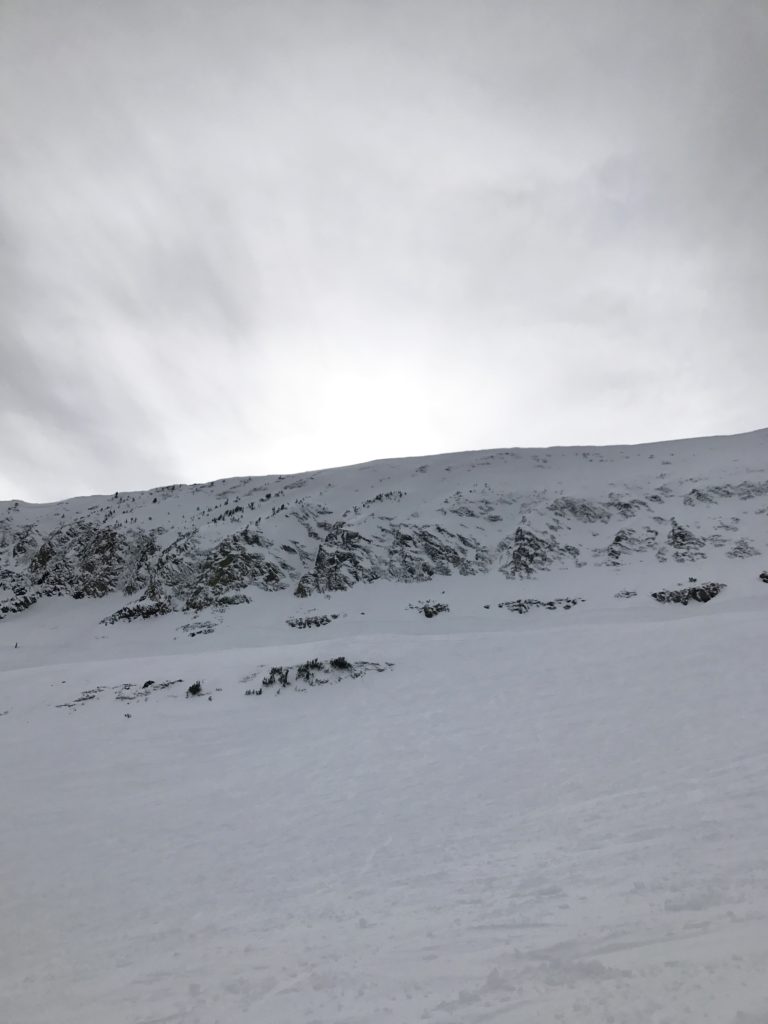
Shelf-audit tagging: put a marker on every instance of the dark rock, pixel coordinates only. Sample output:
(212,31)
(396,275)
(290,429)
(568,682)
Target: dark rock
(526,553)
(702,593)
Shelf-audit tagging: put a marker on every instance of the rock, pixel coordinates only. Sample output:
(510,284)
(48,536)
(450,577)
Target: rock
(686,546)
(743,549)
(702,593)
(526,553)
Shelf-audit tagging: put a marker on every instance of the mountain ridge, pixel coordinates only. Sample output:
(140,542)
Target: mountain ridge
(518,513)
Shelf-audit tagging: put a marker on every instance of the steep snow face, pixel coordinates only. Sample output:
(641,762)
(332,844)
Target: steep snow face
(473,738)
(518,513)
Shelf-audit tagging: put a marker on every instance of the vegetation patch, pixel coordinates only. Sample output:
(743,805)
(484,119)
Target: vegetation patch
(523,605)
(313,672)
(277,676)
(200,628)
(311,621)
(429,609)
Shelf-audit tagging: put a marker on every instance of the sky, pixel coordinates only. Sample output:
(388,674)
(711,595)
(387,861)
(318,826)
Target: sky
(244,237)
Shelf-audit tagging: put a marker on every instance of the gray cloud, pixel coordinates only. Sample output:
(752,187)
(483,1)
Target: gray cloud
(257,237)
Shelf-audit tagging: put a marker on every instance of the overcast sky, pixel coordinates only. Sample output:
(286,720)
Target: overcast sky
(252,236)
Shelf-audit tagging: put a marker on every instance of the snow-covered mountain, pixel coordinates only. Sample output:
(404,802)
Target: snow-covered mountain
(516,772)
(512,513)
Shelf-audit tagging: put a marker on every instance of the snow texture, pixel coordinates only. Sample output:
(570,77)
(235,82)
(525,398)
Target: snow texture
(545,803)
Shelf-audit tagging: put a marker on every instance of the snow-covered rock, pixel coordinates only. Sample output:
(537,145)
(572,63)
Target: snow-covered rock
(515,513)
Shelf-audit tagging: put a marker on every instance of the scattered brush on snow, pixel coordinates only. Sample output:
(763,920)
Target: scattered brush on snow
(626,594)
(307,672)
(85,696)
(278,676)
(312,673)
(429,609)
(131,691)
(199,628)
(137,691)
(308,621)
(524,605)
(701,592)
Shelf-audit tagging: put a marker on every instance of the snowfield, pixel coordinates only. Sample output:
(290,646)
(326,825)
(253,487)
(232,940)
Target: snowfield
(543,803)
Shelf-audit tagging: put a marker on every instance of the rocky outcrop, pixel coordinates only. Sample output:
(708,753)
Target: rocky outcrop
(743,548)
(743,491)
(343,559)
(629,541)
(583,511)
(419,553)
(685,545)
(517,513)
(234,564)
(526,553)
(82,560)
(701,593)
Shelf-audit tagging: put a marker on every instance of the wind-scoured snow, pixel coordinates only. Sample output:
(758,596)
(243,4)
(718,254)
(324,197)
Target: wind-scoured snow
(478,737)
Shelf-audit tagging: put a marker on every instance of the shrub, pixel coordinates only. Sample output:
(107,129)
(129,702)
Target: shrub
(195,689)
(429,609)
(341,664)
(277,676)
(311,620)
(306,670)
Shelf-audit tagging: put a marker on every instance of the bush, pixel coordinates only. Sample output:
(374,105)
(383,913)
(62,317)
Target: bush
(341,664)
(311,620)
(195,689)
(308,668)
(277,676)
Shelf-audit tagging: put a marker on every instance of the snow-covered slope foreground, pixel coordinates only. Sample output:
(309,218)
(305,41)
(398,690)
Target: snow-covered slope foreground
(458,780)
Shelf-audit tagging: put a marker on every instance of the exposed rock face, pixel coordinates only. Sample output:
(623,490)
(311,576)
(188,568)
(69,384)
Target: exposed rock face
(686,546)
(743,549)
(526,553)
(418,553)
(514,512)
(629,541)
(83,560)
(232,565)
(342,560)
(583,511)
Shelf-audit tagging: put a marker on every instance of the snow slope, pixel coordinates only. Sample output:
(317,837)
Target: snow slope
(514,814)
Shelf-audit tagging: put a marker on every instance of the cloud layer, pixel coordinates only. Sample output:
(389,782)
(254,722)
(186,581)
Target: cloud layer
(243,238)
